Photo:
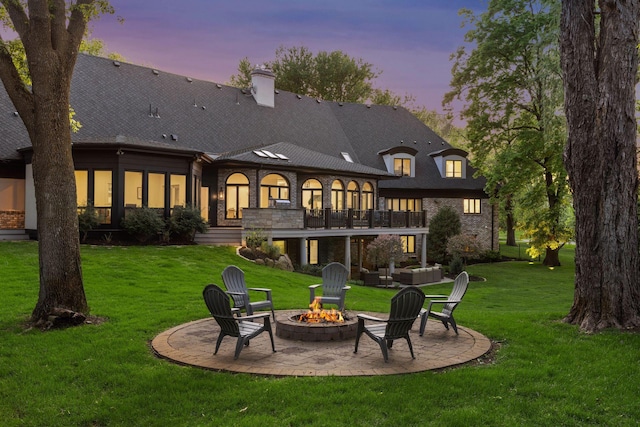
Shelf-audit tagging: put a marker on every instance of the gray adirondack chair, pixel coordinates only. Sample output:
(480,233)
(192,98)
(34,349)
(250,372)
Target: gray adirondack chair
(450,302)
(405,309)
(244,328)
(334,288)
(233,278)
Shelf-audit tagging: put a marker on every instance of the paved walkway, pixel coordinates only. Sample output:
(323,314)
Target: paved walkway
(193,344)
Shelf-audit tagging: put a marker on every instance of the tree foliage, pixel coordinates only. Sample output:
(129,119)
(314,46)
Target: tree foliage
(599,64)
(51,33)
(333,76)
(511,84)
(384,249)
(443,225)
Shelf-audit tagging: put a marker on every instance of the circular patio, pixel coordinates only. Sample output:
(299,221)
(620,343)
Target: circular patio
(193,344)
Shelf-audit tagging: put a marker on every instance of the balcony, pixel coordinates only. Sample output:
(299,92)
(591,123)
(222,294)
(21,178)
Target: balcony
(329,219)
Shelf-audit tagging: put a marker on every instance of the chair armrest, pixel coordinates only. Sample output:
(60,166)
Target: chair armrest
(234,293)
(367,317)
(253,316)
(436,296)
(314,286)
(444,301)
(260,289)
(346,288)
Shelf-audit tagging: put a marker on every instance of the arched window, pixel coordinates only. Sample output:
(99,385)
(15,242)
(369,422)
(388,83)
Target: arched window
(337,195)
(237,195)
(272,187)
(312,194)
(367,196)
(353,196)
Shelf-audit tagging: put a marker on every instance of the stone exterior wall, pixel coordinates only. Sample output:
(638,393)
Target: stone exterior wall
(12,220)
(275,218)
(479,225)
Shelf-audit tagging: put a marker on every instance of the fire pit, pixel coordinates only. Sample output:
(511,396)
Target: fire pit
(316,325)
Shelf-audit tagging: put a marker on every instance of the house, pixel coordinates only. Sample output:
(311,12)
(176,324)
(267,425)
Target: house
(320,178)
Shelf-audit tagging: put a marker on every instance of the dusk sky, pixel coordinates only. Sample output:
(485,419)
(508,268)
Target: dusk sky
(409,41)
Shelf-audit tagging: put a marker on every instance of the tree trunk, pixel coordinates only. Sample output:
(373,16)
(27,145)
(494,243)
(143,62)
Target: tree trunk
(551,258)
(600,157)
(61,284)
(511,231)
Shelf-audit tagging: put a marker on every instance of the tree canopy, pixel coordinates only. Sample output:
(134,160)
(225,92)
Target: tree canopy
(332,76)
(511,85)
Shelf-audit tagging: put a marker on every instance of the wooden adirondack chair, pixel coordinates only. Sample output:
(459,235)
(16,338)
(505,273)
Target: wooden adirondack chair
(334,288)
(405,309)
(244,328)
(450,303)
(233,279)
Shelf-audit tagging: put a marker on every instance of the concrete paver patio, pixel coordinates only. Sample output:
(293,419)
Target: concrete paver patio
(193,343)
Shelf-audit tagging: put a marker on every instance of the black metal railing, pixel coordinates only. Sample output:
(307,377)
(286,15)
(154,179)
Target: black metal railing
(353,218)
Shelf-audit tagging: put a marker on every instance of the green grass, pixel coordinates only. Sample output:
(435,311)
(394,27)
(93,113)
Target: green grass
(546,373)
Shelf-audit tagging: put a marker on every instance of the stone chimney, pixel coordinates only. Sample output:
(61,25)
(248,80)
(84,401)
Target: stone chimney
(263,86)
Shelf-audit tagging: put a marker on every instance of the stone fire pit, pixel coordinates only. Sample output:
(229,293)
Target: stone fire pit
(288,327)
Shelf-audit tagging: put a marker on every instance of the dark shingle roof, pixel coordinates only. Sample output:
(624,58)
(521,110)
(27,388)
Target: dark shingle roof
(144,105)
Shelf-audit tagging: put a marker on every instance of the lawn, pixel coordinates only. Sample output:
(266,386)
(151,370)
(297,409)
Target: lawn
(545,373)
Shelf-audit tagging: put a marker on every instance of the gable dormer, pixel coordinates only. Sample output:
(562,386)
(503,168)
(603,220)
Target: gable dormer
(451,162)
(400,160)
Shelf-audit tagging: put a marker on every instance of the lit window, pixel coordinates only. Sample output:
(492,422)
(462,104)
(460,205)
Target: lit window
(408,244)
(353,196)
(102,195)
(132,189)
(454,169)
(471,206)
(178,194)
(367,196)
(312,194)
(82,187)
(273,187)
(237,189)
(155,195)
(312,251)
(402,167)
(412,205)
(337,195)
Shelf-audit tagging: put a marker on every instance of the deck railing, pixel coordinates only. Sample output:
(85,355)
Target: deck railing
(353,218)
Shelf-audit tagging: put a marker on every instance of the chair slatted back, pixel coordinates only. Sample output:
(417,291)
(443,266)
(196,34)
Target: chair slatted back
(405,308)
(334,278)
(459,289)
(233,278)
(219,305)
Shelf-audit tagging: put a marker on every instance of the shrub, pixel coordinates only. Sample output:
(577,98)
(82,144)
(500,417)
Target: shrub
(143,223)
(384,249)
(87,220)
(254,238)
(186,221)
(456,266)
(272,252)
(490,256)
(444,224)
(464,246)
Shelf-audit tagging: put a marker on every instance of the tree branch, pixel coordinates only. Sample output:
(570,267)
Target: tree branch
(18,17)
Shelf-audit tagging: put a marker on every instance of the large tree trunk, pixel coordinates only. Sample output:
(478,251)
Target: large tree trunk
(61,284)
(551,258)
(600,157)
(511,230)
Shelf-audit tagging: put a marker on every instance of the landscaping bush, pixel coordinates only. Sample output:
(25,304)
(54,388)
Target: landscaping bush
(186,221)
(464,246)
(270,251)
(444,224)
(143,223)
(87,220)
(255,237)
(456,266)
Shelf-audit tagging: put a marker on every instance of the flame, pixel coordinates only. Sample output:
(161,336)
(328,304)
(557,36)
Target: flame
(316,314)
